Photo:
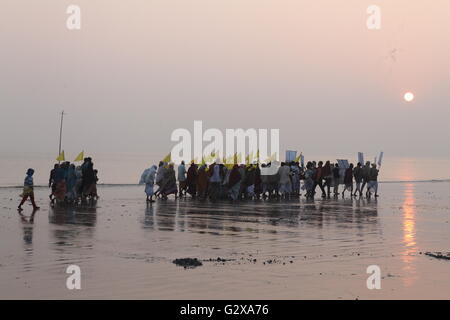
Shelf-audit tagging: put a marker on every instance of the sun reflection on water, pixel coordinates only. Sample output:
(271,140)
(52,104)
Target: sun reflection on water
(409,234)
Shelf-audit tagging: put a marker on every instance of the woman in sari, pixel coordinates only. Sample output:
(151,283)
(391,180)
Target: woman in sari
(71,180)
(149,181)
(234,182)
(169,185)
(60,182)
(191,180)
(309,181)
(89,180)
(202,181)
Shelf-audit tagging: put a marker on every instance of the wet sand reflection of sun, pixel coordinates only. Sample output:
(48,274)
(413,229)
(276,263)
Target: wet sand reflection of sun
(409,234)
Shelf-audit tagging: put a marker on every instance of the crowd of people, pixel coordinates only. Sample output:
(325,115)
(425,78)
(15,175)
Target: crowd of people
(71,184)
(248,181)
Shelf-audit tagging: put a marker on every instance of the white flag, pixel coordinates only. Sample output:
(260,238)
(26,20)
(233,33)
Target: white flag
(361,158)
(380,158)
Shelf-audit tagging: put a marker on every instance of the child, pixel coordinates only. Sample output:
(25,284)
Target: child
(28,190)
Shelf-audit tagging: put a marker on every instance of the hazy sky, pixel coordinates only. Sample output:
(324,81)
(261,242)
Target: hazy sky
(139,69)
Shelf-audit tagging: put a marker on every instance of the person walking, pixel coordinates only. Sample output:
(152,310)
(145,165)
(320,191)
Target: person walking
(28,190)
(348,180)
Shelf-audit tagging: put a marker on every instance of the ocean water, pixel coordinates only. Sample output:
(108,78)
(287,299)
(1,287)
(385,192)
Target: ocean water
(126,168)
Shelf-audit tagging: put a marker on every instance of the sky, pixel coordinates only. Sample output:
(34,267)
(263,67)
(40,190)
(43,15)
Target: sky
(139,69)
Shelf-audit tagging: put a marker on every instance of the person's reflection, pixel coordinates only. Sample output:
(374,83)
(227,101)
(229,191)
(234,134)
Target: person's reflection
(80,215)
(165,217)
(75,227)
(365,213)
(27,224)
(312,214)
(149,217)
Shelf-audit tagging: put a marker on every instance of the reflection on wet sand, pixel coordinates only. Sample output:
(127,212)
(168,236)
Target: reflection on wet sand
(75,227)
(409,234)
(253,217)
(329,241)
(27,228)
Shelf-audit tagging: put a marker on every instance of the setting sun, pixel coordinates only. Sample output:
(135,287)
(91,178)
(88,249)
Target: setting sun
(409,96)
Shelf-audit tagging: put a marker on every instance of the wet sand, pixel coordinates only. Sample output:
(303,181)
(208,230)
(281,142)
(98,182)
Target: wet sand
(268,250)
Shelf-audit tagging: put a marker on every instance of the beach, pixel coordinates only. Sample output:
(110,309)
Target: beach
(289,249)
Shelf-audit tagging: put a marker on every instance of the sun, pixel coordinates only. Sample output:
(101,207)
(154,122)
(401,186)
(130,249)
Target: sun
(409,96)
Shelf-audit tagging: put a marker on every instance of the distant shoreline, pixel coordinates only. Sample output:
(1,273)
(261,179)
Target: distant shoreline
(136,184)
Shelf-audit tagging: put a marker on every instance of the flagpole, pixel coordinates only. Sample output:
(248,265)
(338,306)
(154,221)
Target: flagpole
(60,133)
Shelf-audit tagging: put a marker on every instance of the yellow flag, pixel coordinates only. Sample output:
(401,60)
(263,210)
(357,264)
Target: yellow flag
(297,159)
(167,158)
(229,165)
(80,157)
(228,160)
(249,158)
(61,157)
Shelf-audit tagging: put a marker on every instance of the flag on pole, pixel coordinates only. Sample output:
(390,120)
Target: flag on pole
(167,158)
(61,157)
(80,157)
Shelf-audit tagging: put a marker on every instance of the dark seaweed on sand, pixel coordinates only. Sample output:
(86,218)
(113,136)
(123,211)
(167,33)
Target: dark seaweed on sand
(439,255)
(188,262)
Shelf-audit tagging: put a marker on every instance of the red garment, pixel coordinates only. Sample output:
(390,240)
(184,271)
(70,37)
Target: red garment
(319,173)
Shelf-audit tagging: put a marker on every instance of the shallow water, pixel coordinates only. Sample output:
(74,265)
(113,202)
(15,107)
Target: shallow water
(275,250)
(125,168)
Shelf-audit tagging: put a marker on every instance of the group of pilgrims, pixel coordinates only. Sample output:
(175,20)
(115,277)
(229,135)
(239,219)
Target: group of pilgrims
(247,181)
(71,184)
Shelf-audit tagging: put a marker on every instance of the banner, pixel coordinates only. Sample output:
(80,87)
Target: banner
(361,158)
(290,155)
(343,163)
(380,158)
